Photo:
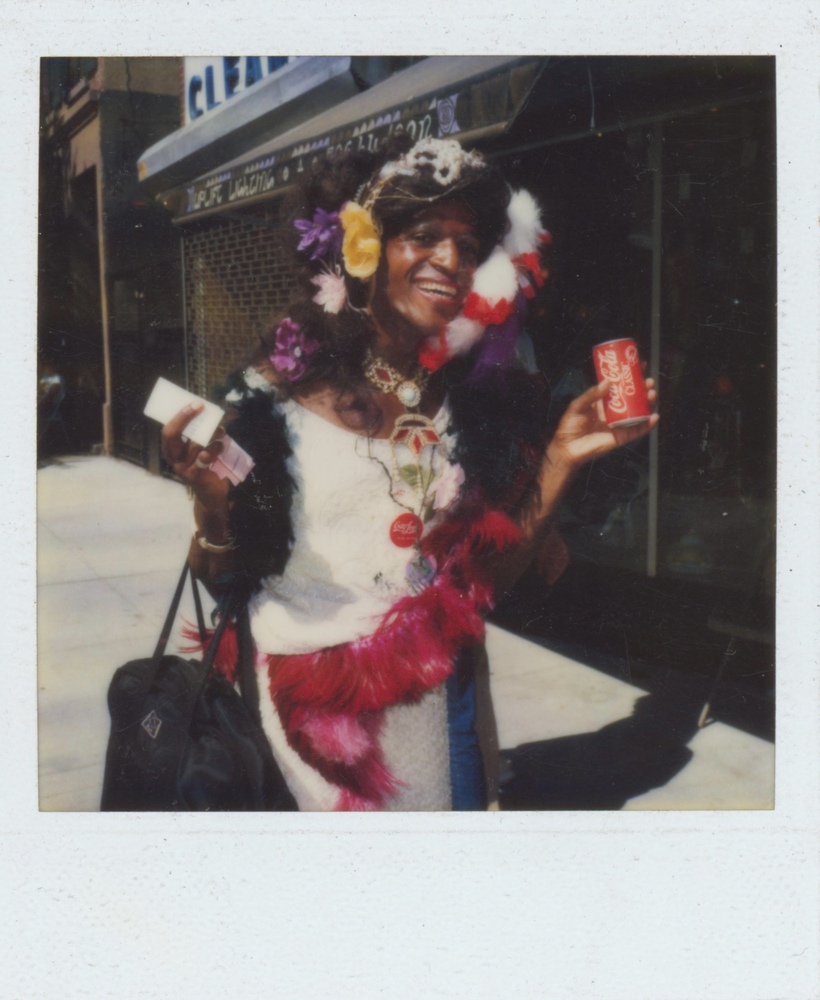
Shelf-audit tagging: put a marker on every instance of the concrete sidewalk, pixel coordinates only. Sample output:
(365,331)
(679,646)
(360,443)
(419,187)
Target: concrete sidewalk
(111,542)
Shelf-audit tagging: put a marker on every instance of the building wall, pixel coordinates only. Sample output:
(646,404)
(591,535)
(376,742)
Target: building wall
(238,279)
(144,75)
(83,150)
(96,228)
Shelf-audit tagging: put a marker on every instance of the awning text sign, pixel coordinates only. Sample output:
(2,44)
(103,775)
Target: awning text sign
(471,106)
(211,81)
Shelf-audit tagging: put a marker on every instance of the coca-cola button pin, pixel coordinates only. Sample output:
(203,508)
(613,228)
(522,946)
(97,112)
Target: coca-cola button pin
(405,530)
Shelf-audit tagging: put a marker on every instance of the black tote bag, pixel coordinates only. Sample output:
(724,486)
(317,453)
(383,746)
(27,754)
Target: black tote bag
(182,738)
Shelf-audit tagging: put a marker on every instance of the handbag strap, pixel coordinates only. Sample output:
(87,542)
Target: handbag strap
(200,617)
(248,684)
(234,600)
(162,643)
(234,605)
(170,618)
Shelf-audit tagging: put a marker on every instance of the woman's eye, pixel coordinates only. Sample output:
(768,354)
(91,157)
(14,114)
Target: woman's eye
(423,238)
(469,250)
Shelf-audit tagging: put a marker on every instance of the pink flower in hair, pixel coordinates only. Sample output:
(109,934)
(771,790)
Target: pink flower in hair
(332,294)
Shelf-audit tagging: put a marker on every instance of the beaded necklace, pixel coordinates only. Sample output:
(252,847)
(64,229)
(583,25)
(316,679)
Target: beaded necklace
(386,379)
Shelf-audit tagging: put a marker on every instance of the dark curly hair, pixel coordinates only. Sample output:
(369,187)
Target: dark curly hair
(346,336)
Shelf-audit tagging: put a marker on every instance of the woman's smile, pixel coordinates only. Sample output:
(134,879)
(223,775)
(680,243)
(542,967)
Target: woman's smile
(425,274)
(439,289)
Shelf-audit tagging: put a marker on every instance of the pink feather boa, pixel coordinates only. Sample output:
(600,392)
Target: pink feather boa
(331,702)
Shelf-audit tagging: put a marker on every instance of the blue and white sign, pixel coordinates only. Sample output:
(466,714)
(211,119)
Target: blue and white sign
(211,81)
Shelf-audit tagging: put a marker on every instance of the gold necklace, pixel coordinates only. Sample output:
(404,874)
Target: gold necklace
(411,430)
(418,435)
(386,379)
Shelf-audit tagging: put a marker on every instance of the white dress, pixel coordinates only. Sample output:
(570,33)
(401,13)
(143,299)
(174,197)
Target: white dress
(343,575)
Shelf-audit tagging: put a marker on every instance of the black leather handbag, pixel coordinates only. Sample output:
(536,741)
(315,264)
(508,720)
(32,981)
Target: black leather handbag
(183,738)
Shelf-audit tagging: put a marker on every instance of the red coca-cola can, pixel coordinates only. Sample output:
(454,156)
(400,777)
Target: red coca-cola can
(626,403)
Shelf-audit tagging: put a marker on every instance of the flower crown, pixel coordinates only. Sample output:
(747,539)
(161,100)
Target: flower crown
(501,284)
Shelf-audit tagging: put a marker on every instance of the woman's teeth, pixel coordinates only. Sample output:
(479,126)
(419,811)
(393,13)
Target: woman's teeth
(436,289)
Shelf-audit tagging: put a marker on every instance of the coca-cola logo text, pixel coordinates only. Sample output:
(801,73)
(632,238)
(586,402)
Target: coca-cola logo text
(611,369)
(628,379)
(405,530)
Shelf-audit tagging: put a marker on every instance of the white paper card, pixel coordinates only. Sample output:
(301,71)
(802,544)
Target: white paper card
(167,399)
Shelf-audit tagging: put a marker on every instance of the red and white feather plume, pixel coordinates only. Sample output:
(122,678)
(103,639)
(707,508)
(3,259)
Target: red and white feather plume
(513,266)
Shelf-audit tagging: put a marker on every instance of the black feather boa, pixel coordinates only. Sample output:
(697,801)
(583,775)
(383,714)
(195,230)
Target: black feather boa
(261,505)
(499,431)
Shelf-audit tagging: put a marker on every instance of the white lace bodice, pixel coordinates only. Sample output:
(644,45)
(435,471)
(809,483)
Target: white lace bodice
(344,572)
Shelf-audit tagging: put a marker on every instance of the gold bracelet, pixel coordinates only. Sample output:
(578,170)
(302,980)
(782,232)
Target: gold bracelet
(203,543)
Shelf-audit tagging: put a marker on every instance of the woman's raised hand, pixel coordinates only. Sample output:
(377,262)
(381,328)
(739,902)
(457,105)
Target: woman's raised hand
(583,434)
(191,462)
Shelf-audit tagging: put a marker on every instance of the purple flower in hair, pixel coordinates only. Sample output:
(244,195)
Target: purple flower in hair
(324,234)
(293,350)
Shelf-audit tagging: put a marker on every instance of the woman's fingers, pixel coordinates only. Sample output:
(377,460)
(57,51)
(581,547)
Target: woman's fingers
(593,395)
(593,398)
(173,448)
(176,425)
(209,488)
(187,457)
(626,435)
(204,458)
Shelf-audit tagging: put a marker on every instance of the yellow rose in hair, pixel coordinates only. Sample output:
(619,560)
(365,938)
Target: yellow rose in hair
(361,246)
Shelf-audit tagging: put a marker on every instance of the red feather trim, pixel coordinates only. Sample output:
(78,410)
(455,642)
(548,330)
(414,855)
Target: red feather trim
(349,802)
(530,262)
(472,531)
(490,314)
(408,654)
(434,359)
(227,656)
(190,633)
(367,779)
(331,702)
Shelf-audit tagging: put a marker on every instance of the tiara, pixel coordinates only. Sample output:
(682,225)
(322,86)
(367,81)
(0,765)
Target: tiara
(444,158)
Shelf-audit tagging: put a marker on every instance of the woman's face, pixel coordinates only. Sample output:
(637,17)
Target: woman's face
(425,273)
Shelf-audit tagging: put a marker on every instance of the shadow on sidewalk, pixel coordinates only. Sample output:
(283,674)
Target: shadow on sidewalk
(604,769)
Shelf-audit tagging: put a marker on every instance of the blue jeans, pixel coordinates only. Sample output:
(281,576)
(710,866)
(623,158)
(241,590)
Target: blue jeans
(467,784)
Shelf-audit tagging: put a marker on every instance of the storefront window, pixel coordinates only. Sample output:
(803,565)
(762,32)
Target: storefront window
(718,347)
(712,257)
(597,198)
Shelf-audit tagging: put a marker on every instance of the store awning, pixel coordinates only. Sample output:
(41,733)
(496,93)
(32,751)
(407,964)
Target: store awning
(471,97)
(297,91)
